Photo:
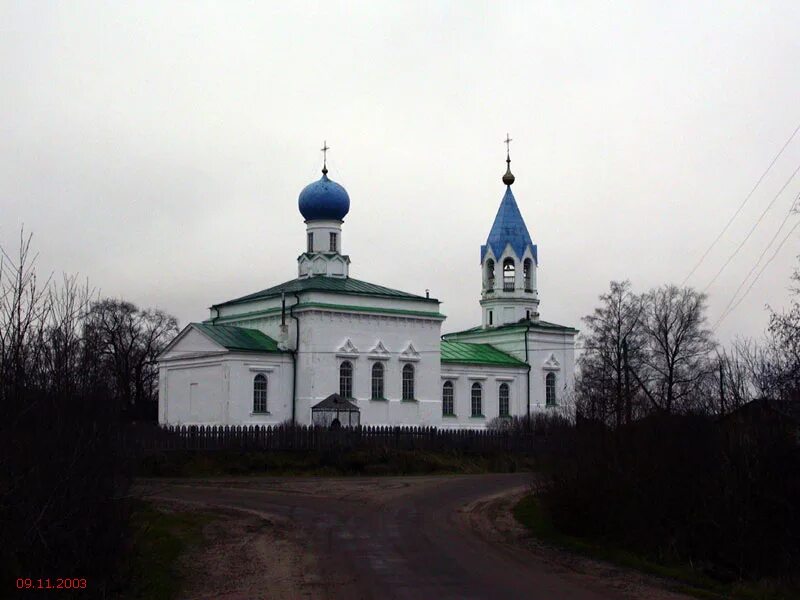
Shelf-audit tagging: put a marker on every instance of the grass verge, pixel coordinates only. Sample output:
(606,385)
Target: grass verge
(530,513)
(159,539)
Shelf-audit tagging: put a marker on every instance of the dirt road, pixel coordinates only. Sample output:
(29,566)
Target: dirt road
(404,538)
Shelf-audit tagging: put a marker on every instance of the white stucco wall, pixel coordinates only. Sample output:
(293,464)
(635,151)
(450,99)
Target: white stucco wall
(202,382)
(490,379)
(323,336)
(548,351)
(213,386)
(193,392)
(327,321)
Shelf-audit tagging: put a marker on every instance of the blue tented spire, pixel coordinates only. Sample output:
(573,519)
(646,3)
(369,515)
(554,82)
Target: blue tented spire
(509,228)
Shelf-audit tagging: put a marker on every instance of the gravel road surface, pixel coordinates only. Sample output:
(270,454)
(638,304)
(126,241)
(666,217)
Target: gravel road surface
(399,537)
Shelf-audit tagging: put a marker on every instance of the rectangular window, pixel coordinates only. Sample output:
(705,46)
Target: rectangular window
(448,410)
(503,396)
(550,389)
(477,400)
(260,394)
(333,241)
(310,242)
(408,382)
(346,379)
(490,317)
(377,381)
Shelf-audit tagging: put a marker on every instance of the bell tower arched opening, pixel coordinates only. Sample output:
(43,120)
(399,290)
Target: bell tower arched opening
(509,275)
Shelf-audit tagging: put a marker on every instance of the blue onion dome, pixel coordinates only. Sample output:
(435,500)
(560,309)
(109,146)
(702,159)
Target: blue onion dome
(324,200)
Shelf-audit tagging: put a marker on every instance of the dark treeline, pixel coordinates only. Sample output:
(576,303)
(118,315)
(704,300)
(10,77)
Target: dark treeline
(72,370)
(685,489)
(654,353)
(667,458)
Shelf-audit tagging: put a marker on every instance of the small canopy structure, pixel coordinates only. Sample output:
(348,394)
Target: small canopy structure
(335,411)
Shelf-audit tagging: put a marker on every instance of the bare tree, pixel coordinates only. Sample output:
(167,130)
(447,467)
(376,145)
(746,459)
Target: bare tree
(677,347)
(64,469)
(781,367)
(613,343)
(733,381)
(24,316)
(128,340)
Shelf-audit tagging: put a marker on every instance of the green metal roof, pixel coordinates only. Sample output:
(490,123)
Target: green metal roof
(239,338)
(341,285)
(477,354)
(535,326)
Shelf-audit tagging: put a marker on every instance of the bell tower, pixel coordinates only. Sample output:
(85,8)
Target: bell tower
(509,260)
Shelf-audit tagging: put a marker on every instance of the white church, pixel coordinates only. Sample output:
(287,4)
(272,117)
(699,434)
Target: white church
(329,349)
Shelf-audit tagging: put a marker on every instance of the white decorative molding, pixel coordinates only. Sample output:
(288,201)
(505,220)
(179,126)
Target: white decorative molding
(338,312)
(191,365)
(446,376)
(552,364)
(379,352)
(266,368)
(410,353)
(347,350)
(504,379)
(477,377)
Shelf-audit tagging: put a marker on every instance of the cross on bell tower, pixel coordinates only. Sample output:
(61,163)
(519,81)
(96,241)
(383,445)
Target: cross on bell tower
(508,178)
(324,151)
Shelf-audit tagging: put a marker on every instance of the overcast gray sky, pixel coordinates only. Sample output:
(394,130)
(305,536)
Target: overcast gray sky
(158,148)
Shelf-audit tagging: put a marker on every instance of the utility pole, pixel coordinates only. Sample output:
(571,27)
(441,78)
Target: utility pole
(618,400)
(628,400)
(721,387)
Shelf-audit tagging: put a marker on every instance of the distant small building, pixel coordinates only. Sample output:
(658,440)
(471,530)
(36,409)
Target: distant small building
(774,416)
(282,353)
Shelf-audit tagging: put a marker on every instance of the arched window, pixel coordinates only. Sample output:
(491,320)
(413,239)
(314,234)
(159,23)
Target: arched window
(503,397)
(490,274)
(477,400)
(527,271)
(550,389)
(448,409)
(260,393)
(509,271)
(377,381)
(346,379)
(408,382)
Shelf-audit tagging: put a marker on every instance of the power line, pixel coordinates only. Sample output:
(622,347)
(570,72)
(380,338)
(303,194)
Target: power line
(741,206)
(763,253)
(764,268)
(753,228)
